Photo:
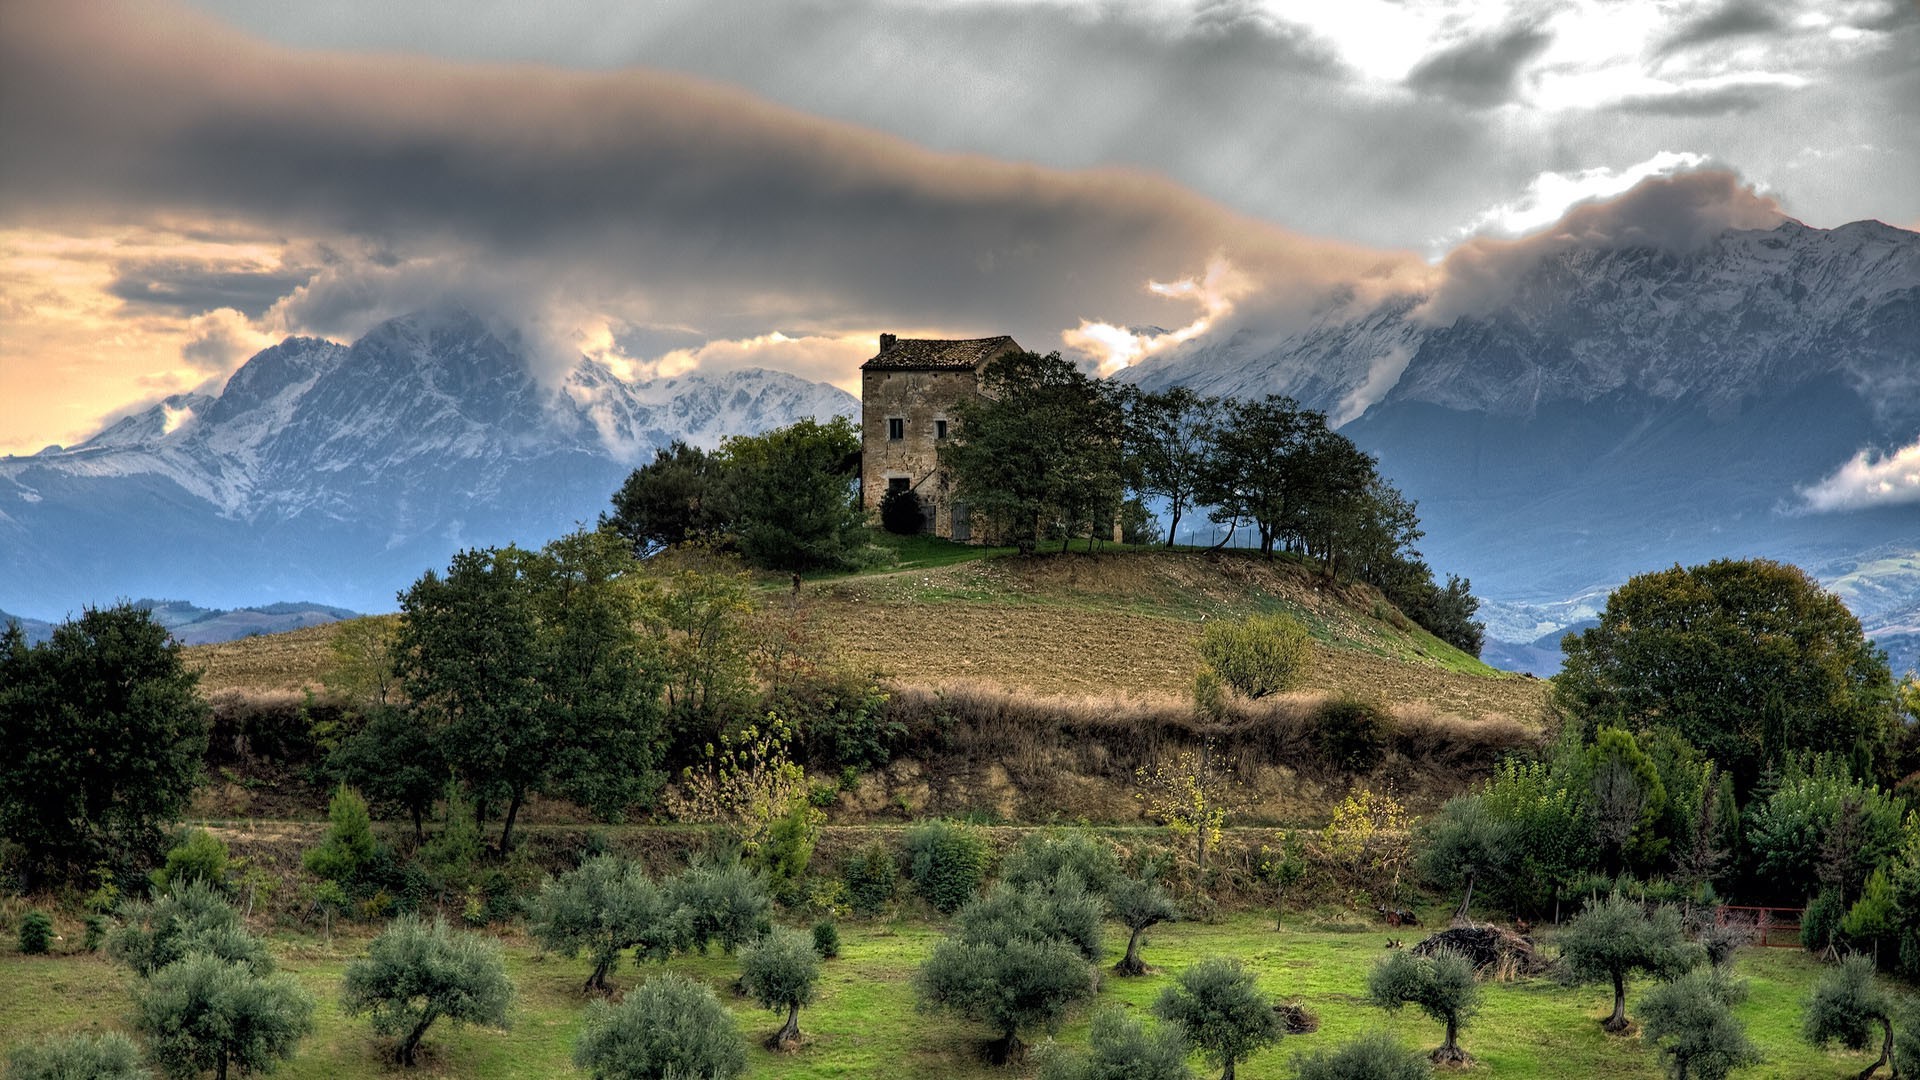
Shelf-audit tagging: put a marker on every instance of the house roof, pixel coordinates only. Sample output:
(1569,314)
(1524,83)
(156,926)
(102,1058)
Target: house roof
(939,354)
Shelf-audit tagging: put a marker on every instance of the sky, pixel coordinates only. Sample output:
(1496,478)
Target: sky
(706,185)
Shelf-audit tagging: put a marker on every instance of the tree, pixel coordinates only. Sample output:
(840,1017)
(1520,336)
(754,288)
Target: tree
(667,501)
(348,848)
(946,861)
(1614,938)
(204,1013)
(1258,469)
(393,759)
(1121,1048)
(105,731)
(700,617)
(793,494)
(1038,453)
(718,900)
(751,784)
(1440,983)
(1627,798)
(1691,1020)
(1748,660)
(1017,958)
(416,973)
(1825,830)
(1169,439)
(106,1056)
(1258,655)
(602,907)
(1138,903)
(1189,794)
(1554,836)
(669,1028)
(781,971)
(189,918)
(1220,1010)
(1040,857)
(1466,842)
(1847,1006)
(1373,1056)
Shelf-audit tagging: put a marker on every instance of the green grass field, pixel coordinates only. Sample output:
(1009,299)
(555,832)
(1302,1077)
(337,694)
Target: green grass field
(865,1025)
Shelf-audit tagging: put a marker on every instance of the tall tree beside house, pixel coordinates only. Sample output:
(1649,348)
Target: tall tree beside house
(667,501)
(1039,453)
(791,497)
(1168,444)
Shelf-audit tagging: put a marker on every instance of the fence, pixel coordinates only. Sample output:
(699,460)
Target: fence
(1773,927)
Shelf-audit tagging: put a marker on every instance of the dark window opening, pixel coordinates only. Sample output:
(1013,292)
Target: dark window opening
(896,427)
(939,429)
(898,483)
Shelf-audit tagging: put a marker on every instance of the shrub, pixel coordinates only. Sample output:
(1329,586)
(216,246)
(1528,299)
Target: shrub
(781,971)
(1848,1006)
(1820,925)
(670,1027)
(1352,733)
(348,849)
(36,933)
(719,901)
(872,877)
(205,1014)
(1691,1020)
(417,972)
(1222,1013)
(199,856)
(108,1056)
(826,939)
(1258,655)
(186,919)
(947,862)
(1041,857)
(1121,1048)
(1373,1056)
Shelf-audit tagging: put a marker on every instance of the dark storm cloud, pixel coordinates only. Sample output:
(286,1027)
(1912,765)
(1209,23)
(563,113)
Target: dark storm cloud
(190,288)
(1480,72)
(1727,100)
(717,207)
(1739,18)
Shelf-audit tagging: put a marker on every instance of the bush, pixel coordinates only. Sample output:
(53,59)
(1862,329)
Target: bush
(900,512)
(1258,655)
(1691,1020)
(349,848)
(1849,1007)
(1352,733)
(717,901)
(871,877)
(1373,1056)
(417,972)
(36,933)
(947,862)
(205,1014)
(1820,925)
(1041,857)
(826,939)
(184,920)
(1121,1048)
(671,1027)
(199,856)
(108,1056)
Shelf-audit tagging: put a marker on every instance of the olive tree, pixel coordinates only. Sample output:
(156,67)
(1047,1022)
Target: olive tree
(781,971)
(605,905)
(1691,1020)
(107,1056)
(1616,937)
(1372,1056)
(668,1029)
(205,1014)
(1138,903)
(1846,1007)
(1223,1014)
(188,918)
(1441,984)
(417,972)
(1122,1048)
(718,901)
(1466,842)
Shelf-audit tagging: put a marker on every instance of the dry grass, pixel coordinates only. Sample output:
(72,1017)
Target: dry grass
(294,661)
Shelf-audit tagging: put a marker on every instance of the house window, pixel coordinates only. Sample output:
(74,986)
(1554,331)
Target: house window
(940,429)
(898,483)
(896,427)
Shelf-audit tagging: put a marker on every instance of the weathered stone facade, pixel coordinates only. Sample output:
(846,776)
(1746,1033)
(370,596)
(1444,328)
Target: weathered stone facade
(908,395)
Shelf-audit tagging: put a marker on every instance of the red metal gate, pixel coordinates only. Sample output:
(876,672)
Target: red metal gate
(1772,927)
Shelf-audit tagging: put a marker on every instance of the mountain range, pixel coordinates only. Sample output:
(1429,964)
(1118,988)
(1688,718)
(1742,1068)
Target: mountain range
(1626,408)
(339,473)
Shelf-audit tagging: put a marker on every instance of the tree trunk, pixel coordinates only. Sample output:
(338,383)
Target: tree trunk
(1228,1074)
(1466,902)
(1130,964)
(1005,1048)
(789,1033)
(1618,1021)
(419,824)
(220,1066)
(1450,1052)
(404,1055)
(513,811)
(1175,527)
(598,980)
(1886,1049)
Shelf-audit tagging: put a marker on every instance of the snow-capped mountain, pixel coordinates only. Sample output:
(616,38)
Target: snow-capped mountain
(340,473)
(1617,409)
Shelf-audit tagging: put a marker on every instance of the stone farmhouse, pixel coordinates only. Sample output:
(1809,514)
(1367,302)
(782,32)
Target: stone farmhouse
(908,395)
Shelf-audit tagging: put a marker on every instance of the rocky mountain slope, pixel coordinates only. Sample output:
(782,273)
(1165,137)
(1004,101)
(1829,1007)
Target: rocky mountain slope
(339,473)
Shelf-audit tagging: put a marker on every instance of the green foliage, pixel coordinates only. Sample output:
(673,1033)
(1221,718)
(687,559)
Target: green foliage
(826,939)
(946,861)
(1221,1012)
(781,970)
(104,730)
(199,856)
(700,618)
(872,877)
(1468,842)
(900,512)
(1372,1056)
(395,761)
(451,854)
(1257,655)
(36,933)
(1616,937)
(719,901)
(107,1056)
(1849,1007)
(1169,440)
(605,905)
(1554,836)
(668,500)
(184,920)
(1138,903)
(1823,830)
(669,1029)
(1010,985)
(349,848)
(1040,857)
(204,1014)
(1691,1020)
(1441,985)
(1061,910)
(1873,918)
(792,495)
(1352,732)
(1748,660)
(1626,797)
(1122,1048)
(1820,923)
(417,972)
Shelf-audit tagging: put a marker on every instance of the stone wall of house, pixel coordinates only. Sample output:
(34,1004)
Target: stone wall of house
(922,401)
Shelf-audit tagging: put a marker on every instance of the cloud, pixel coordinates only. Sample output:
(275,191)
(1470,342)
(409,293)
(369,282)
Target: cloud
(1677,212)
(1717,97)
(221,340)
(1550,195)
(1739,18)
(1868,480)
(1481,72)
(191,287)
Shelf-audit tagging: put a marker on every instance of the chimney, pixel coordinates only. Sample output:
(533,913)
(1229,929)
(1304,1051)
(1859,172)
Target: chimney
(886,342)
